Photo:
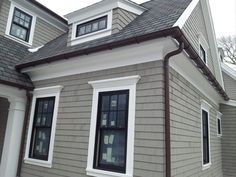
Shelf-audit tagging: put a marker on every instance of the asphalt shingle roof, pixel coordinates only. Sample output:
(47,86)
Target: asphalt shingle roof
(161,14)
(12,53)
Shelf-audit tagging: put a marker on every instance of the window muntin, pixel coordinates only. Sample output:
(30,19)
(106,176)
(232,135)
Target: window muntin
(42,125)
(21,24)
(91,26)
(205,138)
(111,133)
(203,54)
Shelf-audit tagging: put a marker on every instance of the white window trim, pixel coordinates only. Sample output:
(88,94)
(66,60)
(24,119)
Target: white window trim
(95,35)
(43,93)
(124,83)
(9,22)
(206,107)
(202,42)
(218,117)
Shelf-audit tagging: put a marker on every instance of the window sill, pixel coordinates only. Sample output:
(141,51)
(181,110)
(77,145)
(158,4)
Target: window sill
(206,166)
(17,40)
(36,162)
(101,173)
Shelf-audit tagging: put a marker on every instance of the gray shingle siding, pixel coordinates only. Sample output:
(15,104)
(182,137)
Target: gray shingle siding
(194,26)
(4,106)
(186,131)
(4,16)
(230,85)
(121,18)
(72,132)
(229,140)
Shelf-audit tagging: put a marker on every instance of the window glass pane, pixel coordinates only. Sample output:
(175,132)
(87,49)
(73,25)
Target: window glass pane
(104,119)
(22,16)
(26,24)
(40,107)
(122,102)
(82,30)
(42,140)
(95,26)
(121,116)
(102,24)
(27,19)
(105,103)
(113,102)
(203,54)
(205,135)
(88,28)
(16,19)
(17,13)
(219,126)
(18,31)
(112,119)
(112,148)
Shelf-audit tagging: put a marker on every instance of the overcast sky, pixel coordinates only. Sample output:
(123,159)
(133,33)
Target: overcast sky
(223,11)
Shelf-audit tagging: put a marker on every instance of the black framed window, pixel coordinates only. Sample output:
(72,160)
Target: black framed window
(219,126)
(91,26)
(205,137)
(203,54)
(21,24)
(111,133)
(41,132)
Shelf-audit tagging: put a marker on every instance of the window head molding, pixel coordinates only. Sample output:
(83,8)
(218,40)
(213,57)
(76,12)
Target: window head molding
(205,135)
(30,30)
(219,124)
(116,84)
(43,93)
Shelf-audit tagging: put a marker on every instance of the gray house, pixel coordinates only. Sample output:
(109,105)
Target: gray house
(118,89)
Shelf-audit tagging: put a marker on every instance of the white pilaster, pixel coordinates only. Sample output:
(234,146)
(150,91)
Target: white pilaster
(11,149)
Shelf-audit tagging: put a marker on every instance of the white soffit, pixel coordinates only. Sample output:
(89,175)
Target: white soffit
(103,6)
(229,70)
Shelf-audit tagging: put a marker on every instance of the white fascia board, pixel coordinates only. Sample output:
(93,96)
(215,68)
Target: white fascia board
(228,70)
(205,5)
(124,56)
(101,7)
(184,17)
(43,15)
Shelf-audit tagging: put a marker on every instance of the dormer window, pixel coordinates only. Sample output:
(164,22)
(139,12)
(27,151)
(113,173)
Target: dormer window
(91,26)
(203,48)
(21,24)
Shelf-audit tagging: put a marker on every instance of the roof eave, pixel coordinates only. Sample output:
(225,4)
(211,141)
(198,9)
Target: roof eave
(174,32)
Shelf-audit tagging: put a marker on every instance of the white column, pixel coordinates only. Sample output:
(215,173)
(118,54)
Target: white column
(11,149)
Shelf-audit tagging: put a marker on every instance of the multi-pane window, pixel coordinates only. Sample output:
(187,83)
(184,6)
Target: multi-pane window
(205,137)
(203,54)
(91,26)
(41,132)
(111,133)
(21,24)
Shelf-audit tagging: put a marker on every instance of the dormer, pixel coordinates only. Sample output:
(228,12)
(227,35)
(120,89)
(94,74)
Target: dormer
(101,19)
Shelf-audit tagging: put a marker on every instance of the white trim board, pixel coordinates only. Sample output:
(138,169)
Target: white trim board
(114,84)
(42,93)
(184,17)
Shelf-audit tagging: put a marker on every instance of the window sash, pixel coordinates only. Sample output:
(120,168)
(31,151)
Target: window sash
(46,128)
(219,126)
(205,137)
(90,26)
(101,129)
(17,24)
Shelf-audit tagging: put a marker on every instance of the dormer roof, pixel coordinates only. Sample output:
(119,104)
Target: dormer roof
(102,7)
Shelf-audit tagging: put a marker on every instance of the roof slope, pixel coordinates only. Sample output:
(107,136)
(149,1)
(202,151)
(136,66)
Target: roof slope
(161,14)
(12,53)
